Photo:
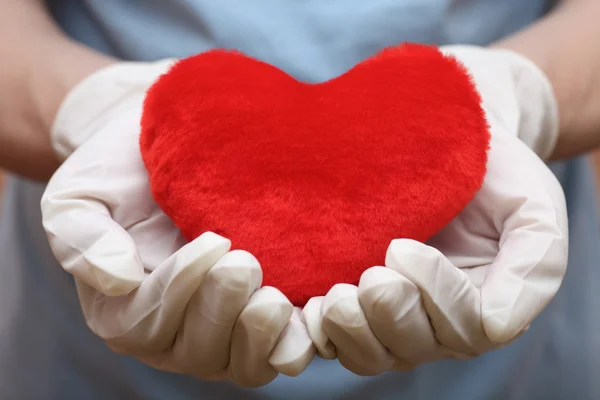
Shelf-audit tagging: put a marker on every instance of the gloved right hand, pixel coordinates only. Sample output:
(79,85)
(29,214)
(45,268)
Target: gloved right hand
(479,283)
(192,308)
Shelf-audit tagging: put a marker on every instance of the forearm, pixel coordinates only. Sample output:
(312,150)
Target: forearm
(566,46)
(39,66)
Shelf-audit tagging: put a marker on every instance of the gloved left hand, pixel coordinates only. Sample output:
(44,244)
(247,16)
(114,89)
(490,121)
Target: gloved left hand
(479,283)
(194,308)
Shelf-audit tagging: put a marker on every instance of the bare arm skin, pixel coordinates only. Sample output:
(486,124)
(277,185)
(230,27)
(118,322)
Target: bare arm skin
(40,65)
(566,46)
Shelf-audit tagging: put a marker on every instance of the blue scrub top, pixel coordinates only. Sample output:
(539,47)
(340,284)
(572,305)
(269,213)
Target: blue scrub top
(46,351)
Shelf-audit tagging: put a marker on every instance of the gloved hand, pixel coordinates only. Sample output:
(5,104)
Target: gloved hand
(479,283)
(191,308)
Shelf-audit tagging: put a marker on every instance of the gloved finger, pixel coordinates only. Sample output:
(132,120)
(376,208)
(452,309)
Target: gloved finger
(344,322)
(255,334)
(531,216)
(311,315)
(204,340)
(394,309)
(87,203)
(294,350)
(452,302)
(146,321)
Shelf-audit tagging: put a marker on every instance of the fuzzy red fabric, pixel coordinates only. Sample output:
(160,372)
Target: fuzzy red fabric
(315,180)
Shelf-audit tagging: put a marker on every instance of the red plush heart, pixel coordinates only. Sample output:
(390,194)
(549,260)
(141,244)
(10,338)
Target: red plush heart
(315,180)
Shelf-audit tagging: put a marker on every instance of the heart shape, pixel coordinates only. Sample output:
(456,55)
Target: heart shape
(315,180)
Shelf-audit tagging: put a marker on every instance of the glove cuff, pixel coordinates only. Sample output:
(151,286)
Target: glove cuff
(99,98)
(515,91)
(539,122)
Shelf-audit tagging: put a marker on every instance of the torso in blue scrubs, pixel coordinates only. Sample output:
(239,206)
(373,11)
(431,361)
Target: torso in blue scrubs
(46,351)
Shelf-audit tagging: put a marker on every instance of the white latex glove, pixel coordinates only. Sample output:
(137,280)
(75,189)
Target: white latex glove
(191,308)
(479,283)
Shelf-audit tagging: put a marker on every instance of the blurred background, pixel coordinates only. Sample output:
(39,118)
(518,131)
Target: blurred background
(597,163)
